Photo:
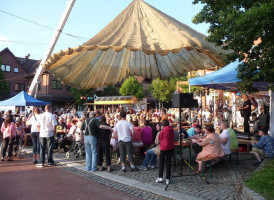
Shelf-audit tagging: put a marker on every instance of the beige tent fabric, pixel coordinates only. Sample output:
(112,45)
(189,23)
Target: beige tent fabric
(140,41)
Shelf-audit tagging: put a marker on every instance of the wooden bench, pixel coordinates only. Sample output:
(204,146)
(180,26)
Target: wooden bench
(204,161)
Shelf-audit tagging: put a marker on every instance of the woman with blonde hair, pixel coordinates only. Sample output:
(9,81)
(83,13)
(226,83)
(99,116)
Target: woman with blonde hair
(33,121)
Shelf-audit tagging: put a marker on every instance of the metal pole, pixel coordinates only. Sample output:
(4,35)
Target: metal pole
(214,114)
(271,110)
(181,138)
(51,46)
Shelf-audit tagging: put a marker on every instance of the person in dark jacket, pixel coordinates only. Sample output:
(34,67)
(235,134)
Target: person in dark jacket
(103,145)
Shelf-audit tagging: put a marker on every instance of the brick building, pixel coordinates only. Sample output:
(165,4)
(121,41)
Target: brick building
(19,73)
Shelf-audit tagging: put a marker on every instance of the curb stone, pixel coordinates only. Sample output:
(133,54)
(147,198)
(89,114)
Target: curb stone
(249,194)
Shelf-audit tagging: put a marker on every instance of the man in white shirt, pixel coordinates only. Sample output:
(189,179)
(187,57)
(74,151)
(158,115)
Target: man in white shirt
(47,127)
(124,130)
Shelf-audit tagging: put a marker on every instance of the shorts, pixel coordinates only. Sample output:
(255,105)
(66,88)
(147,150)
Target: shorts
(259,151)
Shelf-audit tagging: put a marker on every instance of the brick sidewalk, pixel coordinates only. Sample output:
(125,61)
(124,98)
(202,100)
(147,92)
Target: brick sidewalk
(20,179)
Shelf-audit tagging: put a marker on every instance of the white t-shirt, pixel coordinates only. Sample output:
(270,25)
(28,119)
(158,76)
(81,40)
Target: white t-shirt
(123,128)
(226,147)
(78,135)
(33,121)
(47,124)
(72,130)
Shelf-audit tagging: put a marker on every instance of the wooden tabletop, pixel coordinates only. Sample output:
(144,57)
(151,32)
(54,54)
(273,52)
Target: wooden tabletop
(244,141)
(183,144)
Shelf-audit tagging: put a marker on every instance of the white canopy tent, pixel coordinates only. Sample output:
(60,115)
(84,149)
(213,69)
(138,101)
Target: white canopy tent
(141,41)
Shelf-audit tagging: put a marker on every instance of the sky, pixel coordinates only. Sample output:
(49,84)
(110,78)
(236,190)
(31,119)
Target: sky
(86,19)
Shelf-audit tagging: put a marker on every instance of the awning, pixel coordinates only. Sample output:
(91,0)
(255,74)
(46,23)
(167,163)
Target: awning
(223,79)
(115,100)
(23,99)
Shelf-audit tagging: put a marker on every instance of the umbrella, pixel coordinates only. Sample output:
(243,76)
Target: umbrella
(140,41)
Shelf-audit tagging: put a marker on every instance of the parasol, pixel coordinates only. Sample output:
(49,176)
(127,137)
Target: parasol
(140,41)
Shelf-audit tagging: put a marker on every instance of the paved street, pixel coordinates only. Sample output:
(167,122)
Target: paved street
(20,179)
(70,180)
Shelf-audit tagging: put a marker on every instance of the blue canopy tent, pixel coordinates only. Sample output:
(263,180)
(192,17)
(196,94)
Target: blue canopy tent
(223,79)
(23,99)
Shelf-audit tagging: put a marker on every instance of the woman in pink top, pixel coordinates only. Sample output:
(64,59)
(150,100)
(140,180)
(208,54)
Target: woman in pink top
(9,133)
(211,145)
(147,136)
(137,136)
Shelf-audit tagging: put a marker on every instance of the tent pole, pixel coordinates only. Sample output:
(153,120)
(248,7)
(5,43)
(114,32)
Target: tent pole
(214,111)
(271,123)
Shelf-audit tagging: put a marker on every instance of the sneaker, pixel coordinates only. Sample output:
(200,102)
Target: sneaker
(35,162)
(134,169)
(143,168)
(159,180)
(124,170)
(51,164)
(257,164)
(151,166)
(167,181)
(40,165)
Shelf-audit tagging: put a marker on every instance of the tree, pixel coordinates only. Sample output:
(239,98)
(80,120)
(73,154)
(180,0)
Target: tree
(78,93)
(236,25)
(110,90)
(163,89)
(4,87)
(132,87)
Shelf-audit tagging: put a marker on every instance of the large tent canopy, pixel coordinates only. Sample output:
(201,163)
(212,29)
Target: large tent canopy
(140,41)
(223,79)
(23,99)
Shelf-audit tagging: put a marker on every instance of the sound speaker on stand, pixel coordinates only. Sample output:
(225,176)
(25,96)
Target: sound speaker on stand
(182,100)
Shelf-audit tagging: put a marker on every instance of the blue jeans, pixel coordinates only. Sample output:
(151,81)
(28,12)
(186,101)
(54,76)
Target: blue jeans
(150,153)
(36,142)
(91,152)
(46,142)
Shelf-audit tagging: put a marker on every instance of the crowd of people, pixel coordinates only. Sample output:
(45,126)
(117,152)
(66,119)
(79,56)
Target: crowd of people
(151,134)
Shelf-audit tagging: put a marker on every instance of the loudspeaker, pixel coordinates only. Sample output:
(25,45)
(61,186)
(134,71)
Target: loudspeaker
(182,100)
(195,103)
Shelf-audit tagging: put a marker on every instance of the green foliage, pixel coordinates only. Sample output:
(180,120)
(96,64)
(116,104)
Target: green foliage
(77,93)
(237,24)
(262,181)
(4,87)
(110,90)
(185,88)
(163,89)
(132,87)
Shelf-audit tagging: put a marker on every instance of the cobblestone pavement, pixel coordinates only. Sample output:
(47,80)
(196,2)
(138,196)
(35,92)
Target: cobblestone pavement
(226,182)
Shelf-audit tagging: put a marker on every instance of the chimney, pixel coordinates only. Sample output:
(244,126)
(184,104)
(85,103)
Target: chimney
(27,57)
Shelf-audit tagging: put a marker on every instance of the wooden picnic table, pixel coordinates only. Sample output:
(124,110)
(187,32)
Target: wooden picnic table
(247,143)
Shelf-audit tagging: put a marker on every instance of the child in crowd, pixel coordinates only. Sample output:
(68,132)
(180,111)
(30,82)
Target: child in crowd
(166,139)
(19,136)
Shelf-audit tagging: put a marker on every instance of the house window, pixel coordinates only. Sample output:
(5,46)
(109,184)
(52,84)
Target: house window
(39,86)
(56,85)
(22,87)
(5,68)
(19,87)
(16,70)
